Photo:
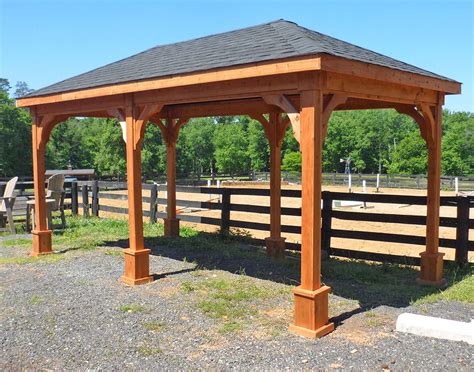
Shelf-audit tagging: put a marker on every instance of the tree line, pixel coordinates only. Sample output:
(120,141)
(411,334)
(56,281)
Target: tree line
(377,141)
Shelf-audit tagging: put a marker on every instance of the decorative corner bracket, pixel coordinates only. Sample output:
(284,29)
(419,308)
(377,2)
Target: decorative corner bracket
(287,107)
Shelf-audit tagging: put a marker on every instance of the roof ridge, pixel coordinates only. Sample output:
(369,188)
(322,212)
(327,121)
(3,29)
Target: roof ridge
(307,31)
(281,35)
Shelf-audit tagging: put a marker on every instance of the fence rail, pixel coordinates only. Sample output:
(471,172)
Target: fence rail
(95,191)
(464,183)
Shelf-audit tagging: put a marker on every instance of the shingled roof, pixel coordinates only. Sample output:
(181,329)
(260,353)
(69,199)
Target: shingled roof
(270,41)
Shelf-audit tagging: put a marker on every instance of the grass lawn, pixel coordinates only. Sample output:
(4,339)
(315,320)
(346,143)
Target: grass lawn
(370,284)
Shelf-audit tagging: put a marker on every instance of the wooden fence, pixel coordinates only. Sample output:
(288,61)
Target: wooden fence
(398,181)
(93,192)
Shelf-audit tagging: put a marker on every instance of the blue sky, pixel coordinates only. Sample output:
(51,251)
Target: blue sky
(45,41)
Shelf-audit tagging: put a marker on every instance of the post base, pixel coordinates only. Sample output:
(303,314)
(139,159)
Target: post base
(137,267)
(431,272)
(171,227)
(311,312)
(275,247)
(41,242)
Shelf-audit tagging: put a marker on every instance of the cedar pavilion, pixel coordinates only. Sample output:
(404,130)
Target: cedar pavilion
(279,74)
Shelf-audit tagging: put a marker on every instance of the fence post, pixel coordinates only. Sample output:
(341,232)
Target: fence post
(326,224)
(85,200)
(74,198)
(462,230)
(95,198)
(153,206)
(225,212)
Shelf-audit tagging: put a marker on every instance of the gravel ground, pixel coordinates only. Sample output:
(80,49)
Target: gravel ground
(70,314)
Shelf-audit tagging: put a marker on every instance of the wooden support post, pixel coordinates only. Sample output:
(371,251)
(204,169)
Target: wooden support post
(153,206)
(95,198)
(432,260)
(171,222)
(275,243)
(85,200)
(225,212)
(137,263)
(311,299)
(41,235)
(74,198)
(326,222)
(462,230)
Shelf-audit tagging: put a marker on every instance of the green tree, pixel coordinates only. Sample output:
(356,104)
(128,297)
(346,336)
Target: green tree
(21,89)
(258,147)
(110,157)
(458,143)
(15,136)
(292,162)
(197,136)
(410,156)
(231,144)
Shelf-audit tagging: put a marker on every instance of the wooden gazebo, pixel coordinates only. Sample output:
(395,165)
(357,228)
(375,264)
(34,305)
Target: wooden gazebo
(278,73)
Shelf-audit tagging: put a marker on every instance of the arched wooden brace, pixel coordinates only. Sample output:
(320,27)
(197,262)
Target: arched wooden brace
(133,121)
(275,129)
(293,115)
(41,130)
(429,120)
(170,132)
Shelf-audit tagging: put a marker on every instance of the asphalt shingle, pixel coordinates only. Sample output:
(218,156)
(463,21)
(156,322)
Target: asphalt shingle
(271,41)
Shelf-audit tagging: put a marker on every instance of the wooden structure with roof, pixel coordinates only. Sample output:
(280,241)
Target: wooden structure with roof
(278,73)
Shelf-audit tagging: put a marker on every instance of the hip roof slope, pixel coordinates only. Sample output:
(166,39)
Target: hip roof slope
(271,41)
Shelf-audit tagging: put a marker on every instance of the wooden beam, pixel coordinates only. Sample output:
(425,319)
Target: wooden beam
(431,272)
(221,108)
(136,256)
(311,298)
(41,234)
(357,87)
(83,107)
(275,243)
(385,74)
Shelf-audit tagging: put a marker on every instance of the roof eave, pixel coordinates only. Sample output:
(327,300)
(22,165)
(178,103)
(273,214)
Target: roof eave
(366,70)
(323,62)
(267,68)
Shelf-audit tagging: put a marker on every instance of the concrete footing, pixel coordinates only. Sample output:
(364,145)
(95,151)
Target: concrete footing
(436,327)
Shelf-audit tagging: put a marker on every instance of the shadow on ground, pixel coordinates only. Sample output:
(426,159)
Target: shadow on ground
(370,284)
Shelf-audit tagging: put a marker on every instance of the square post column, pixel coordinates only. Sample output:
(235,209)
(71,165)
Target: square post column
(432,260)
(41,235)
(311,299)
(275,243)
(137,265)
(171,222)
